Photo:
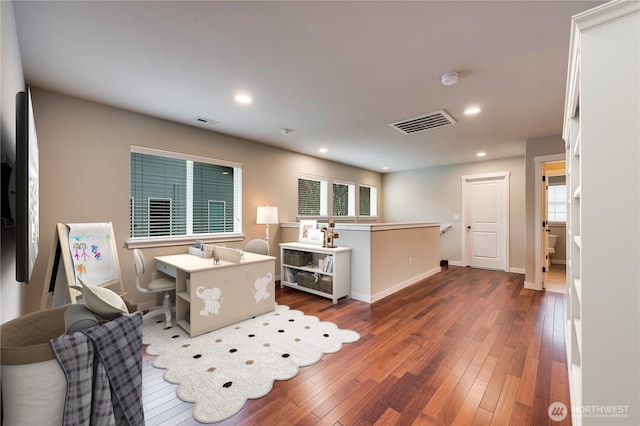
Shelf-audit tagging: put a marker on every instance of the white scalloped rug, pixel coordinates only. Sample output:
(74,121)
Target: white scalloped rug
(220,370)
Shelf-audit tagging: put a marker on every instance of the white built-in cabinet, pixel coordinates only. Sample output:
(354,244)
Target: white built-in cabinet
(602,135)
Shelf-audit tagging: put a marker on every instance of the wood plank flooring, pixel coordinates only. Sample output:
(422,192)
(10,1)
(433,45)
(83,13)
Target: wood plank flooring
(463,347)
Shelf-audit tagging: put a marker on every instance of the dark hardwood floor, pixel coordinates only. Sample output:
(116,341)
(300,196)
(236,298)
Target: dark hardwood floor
(463,347)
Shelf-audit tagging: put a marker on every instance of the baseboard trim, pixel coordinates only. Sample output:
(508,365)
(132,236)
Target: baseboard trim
(517,270)
(455,263)
(558,262)
(531,286)
(404,284)
(361,297)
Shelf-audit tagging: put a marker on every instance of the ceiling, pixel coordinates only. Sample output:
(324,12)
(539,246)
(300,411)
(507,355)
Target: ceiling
(337,73)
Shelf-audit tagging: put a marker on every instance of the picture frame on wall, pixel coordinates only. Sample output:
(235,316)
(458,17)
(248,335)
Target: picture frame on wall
(305,227)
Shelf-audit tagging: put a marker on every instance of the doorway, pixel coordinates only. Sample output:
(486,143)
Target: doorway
(551,211)
(485,217)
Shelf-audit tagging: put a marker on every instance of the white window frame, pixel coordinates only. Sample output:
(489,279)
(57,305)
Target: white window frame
(236,235)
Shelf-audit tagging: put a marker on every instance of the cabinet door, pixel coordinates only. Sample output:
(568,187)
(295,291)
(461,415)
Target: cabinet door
(256,289)
(214,299)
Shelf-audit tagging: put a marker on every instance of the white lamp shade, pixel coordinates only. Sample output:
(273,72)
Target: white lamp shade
(267,215)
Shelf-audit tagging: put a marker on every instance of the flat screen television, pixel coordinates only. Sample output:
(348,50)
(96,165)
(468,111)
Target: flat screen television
(26,193)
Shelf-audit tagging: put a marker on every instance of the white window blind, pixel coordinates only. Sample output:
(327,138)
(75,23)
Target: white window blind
(557,203)
(175,194)
(312,197)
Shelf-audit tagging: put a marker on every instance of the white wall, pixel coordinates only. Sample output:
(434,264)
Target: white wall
(435,195)
(12,81)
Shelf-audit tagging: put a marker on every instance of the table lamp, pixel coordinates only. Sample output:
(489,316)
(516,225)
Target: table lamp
(267,215)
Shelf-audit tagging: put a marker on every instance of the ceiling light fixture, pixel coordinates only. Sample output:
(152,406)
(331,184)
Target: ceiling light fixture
(450,78)
(286,131)
(481,154)
(243,99)
(472,110)
(323,150)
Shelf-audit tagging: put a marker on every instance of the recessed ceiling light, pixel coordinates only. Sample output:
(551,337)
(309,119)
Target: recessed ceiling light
(243,99)
(323,150)
(385,168)
(472,110)
(481,154)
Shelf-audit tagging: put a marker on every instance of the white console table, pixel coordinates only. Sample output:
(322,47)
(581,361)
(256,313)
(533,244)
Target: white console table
(222,294)
(327,270)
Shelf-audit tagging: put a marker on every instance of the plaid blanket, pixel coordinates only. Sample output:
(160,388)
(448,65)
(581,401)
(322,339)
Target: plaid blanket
(103,367)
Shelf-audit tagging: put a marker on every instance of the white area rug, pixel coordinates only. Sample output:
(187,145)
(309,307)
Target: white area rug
(220,370)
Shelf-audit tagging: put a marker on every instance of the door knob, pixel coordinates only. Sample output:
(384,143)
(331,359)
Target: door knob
(468,226)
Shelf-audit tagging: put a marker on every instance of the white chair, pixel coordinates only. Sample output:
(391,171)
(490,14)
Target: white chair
(165,285)
(257,246)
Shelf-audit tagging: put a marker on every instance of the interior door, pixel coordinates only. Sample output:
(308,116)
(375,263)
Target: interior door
(485,209)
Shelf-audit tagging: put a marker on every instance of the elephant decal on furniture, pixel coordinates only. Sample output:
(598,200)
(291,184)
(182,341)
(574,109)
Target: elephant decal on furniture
(260,287)
(212,298)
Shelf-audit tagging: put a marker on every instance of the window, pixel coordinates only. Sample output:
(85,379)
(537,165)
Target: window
(312,197)
(557,203)
(368,203)
(344,199)
(177,195)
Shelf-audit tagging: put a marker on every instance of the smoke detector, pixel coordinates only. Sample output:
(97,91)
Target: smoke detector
(450,78)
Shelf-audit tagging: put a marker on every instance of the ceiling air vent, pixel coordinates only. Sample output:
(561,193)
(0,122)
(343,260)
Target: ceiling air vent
(423,122)
(203,120)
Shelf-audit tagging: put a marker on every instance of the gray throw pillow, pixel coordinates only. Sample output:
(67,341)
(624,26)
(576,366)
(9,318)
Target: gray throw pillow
(78,317)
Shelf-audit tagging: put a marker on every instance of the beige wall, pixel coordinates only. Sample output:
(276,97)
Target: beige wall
(11,292)
(434,194)
(84,173)
(533,148)
(399,256)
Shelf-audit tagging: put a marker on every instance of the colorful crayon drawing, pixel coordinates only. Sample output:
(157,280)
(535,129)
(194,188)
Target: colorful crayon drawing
(96,253)
(81,269)
(93,252)
(80,247)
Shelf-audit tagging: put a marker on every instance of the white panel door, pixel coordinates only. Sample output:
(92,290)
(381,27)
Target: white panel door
(485,210)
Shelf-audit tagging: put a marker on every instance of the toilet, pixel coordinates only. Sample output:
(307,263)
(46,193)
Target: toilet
(551,249)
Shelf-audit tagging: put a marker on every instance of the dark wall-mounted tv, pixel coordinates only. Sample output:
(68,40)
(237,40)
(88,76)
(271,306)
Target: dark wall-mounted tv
(26,193)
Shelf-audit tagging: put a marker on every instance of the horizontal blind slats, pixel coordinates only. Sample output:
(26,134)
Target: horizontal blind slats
(163,205)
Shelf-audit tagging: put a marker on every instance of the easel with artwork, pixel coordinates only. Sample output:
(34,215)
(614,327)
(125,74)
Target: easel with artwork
(81,250)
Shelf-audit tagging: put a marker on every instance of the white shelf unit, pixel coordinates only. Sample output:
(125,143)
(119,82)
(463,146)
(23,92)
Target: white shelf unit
(330,269)
(601,136)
